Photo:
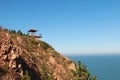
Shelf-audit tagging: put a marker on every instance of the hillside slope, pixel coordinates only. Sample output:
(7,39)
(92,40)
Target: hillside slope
(27,58)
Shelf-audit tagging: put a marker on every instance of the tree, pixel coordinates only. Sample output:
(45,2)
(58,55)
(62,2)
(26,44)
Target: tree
(12,31)
(19,32)
(81,72)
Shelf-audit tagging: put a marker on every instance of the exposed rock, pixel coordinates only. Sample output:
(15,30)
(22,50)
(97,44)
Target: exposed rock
(5,57)
(71,66)
(52,60)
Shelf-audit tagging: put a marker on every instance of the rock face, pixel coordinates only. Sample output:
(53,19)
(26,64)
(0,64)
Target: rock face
(9,52)
(12,64)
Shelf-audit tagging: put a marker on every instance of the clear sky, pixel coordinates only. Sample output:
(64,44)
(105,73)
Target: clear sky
(70,26)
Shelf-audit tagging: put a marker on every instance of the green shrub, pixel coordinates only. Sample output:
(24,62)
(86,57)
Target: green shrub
(33,57)
(19,32)
(26,76)
(5,66)
(93,78)
(33,42)
(45,73)
(12,31)
(81,73)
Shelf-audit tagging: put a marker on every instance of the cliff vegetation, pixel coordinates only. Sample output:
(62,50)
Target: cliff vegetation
(24,57)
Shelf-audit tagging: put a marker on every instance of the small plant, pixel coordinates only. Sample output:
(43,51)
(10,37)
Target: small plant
(33,42)
(33,57)
(93,78)
(26,76)
(45,74)
(5,66)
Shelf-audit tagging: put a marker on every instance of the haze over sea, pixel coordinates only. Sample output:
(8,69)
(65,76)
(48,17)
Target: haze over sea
(105,67)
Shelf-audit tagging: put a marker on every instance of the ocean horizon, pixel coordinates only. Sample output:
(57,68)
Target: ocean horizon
(104,67)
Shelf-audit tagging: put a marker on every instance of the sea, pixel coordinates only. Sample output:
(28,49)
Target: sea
(104,67)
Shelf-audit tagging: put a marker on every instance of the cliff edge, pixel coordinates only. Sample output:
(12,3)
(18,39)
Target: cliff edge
(27,58)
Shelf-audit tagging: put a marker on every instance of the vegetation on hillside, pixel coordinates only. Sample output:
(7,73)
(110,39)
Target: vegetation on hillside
(26,76)
(81,73)
(45,58)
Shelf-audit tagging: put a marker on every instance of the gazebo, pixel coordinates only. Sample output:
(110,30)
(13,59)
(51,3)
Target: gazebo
(32,32)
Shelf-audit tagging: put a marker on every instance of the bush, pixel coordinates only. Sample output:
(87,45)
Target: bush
(81,73)
(12,31)
(19,32)
(45,74)
(5,66)
(26,76)
(93,78)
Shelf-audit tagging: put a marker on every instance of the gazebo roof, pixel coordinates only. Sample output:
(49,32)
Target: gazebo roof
(32,30)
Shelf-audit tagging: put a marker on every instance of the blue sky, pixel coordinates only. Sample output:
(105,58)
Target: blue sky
(70,26)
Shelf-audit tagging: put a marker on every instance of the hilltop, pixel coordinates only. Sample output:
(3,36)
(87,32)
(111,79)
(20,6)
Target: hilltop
(23,57)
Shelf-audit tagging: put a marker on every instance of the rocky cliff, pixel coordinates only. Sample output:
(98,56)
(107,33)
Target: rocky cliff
(27,58)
